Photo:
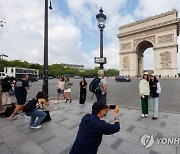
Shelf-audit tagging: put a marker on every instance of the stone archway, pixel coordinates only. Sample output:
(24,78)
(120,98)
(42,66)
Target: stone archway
(159,32)
(141,47)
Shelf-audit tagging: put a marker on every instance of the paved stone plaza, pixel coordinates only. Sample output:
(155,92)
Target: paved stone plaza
(57,136)
(124,94)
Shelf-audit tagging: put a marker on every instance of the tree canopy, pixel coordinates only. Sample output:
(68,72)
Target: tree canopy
(56,69)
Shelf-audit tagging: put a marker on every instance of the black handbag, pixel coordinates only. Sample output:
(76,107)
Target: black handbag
(9,110)
(47,118)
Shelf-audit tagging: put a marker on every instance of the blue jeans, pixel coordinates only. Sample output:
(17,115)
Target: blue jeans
(36,113)
(154,106)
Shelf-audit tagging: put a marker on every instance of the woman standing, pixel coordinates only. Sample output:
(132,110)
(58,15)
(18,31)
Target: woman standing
(60,88)
(83,91)
(33,110)
(155,90)
(67,90)
(144,93)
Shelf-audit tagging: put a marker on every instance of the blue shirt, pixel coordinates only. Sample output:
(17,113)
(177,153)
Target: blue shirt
(89,136)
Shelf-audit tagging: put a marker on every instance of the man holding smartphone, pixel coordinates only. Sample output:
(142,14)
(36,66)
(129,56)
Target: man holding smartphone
(92,128)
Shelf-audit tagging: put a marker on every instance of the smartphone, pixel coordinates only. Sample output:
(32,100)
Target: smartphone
(112,106)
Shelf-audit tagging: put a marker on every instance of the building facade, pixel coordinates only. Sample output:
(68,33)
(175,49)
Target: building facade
(158,32)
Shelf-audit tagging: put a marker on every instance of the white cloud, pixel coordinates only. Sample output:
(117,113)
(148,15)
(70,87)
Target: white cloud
(85,10)
(154,7)
(23,35)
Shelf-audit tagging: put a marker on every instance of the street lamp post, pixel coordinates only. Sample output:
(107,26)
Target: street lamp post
(2,55)
(101,25)
(45,74)
(2,22)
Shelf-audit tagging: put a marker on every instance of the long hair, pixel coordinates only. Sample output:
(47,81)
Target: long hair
(85,83)
(147,77)
(155,79)
(40,94)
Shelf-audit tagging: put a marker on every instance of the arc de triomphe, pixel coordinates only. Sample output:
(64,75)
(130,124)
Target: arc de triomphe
(159,32)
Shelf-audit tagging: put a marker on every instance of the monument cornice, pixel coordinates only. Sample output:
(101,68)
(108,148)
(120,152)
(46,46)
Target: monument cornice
(149,19)
(169,46)
(126,52)
(155,26)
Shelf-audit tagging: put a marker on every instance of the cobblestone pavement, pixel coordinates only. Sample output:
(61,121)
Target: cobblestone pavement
(124,94)
(57,135)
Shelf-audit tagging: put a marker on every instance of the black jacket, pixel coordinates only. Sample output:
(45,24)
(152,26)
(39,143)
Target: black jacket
(6,86)
(153,89)
(90,134)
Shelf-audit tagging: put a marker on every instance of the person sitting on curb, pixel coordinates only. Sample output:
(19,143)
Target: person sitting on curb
(33,110)
(92,128)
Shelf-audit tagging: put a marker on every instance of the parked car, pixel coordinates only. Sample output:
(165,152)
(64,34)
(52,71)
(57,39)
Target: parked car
(123,78)
(77,77)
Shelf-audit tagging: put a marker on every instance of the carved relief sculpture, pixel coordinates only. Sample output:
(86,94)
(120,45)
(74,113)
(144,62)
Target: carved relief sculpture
(126,46)
(126,63)
(149,38)
(165,59)
(165,38)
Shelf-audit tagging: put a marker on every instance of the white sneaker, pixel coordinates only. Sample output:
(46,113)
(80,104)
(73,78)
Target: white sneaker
(12,117)
(56,102)
(36,127)
(142,115)
(80,105)
(146,115)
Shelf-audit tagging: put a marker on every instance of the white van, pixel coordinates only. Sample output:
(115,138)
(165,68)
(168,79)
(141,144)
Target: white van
(2,75)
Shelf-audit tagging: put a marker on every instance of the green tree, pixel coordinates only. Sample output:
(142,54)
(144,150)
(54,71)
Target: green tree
(111,72)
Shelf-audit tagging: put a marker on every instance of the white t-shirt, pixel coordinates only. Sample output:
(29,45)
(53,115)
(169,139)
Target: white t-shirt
(60,85)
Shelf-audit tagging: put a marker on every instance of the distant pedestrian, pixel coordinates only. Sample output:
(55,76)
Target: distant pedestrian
(60,88)
(103,87)
(144,93)
(13,82)
(6,87)
(155,90)
(36,111)
(92,129)
(21,88)
(83,91)
(67,90)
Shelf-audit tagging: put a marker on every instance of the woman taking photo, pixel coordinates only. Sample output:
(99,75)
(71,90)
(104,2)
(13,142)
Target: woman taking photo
(144,93)
(33,109)
(83,91)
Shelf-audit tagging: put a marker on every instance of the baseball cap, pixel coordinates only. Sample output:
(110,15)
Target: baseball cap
(152,74)
(146,73)
(98,106)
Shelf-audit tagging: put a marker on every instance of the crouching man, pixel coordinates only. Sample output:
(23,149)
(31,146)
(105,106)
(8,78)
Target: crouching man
(92,128)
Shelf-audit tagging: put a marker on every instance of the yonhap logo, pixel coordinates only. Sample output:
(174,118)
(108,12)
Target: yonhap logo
(147,140)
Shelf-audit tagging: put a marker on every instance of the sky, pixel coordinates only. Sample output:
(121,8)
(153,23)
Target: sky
(73,31)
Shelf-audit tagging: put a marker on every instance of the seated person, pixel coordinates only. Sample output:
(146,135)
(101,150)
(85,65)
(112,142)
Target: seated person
(35,110)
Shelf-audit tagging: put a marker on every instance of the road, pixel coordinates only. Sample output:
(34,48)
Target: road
(124,94)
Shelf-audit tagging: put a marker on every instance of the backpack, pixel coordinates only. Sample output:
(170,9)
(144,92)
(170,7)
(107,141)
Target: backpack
(30,106)
(9,110)
(94,86)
